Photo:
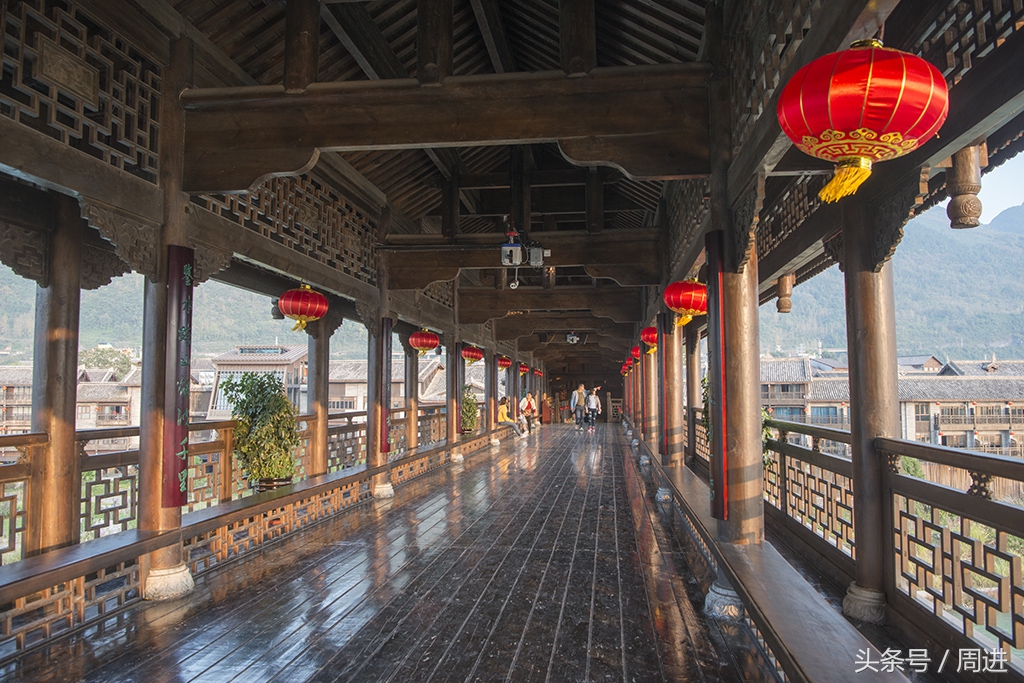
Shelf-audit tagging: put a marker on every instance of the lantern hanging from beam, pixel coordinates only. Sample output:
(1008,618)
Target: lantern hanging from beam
(523,368)
(859,106)
(649,336)
(424,341)
(635,352)
(686,298)
(625,369)
(472,354)
(504,363)
(302,305)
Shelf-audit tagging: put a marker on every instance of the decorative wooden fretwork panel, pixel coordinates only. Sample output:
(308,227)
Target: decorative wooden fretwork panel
(967,572)
(686,207)
(12,520)
(308,216)
(788,211)
(204,480)
(346,446)
(822,501)
(36,618)
(68,76)
(442,292)
(766,39)
(109,500)
(965,32)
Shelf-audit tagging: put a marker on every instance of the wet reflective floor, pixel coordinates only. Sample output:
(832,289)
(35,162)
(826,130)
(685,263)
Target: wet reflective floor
(539,560)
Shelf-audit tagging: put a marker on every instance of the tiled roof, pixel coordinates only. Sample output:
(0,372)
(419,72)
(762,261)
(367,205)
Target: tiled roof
(916,361)
(15,376)
(133,378)
(928,388)
(96,375)
(96,392)
(785,370)
(960,389)
(261,355)
(984,368)
(828,390)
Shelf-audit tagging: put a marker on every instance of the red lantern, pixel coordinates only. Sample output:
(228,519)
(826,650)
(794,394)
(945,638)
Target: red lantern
(302,305)
(635,352)
(472,354)
(523,368)
(625,369)
(862,105)
(649,336)
(504,363)
(424,341)
(687,298)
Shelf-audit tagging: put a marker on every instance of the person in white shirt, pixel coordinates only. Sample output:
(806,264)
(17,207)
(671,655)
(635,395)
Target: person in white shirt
(529,409)
(593,408)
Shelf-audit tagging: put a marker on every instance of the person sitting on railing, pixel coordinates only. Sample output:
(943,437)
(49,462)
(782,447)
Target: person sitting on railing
(504,419)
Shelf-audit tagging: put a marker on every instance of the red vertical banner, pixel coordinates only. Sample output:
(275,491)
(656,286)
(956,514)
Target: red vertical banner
(178,376)
(385,385)
(717,398)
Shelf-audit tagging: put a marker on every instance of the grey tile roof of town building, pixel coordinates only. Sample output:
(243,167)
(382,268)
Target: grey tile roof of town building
(785,370)
(15,375)
(984,368)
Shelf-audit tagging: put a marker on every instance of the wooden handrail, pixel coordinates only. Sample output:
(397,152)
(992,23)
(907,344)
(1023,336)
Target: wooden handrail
(984,463)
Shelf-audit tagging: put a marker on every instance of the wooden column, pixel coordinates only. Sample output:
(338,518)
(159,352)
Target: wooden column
(744,465)
(652,394)
(56,476)
(378,385)
(412,395)
(166,574)
(694,394)
(452,359)
(595,201)
(301,44)
(490,390)
(674,415)
(433,41)
(319,352)
(874,404)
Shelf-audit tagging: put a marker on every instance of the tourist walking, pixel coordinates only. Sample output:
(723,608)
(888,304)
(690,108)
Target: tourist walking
(504,419)
(529,408)
(593,408)
(578,405)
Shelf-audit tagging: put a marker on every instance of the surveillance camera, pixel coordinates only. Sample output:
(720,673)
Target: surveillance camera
(514,284)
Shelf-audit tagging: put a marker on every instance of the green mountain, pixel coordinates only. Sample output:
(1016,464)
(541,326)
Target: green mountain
(959,293)
(223,317)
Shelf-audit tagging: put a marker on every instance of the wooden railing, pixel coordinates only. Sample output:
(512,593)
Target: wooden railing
(955,545)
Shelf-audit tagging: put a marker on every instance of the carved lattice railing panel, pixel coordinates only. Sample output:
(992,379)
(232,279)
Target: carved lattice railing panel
(69,77)
(686,206)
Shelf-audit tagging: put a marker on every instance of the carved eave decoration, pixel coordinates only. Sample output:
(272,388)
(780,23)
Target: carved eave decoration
(134,238)
(746,213)
(891,213)
(100,266)
(25,251)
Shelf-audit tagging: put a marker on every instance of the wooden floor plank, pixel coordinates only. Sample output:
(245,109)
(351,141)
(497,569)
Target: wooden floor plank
(533,561)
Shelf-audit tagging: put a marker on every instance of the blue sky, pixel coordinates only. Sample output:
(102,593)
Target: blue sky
(1002,188)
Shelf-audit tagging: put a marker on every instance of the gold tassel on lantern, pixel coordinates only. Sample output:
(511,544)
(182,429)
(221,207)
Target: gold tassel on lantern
(850,175)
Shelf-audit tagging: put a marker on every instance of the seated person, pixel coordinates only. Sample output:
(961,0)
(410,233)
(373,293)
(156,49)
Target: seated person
(504,419)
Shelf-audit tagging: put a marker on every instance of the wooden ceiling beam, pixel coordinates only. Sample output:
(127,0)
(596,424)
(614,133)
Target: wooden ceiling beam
(538,178)
(516,326)
(558,200)
(358,32)
(233,135)
(488,18)
(433,41)
(577,36)
(630,261)
(478,305)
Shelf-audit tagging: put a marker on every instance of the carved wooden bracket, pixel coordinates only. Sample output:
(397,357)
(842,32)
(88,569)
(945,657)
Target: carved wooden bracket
(100,266)
(890,214)
(134,237)
(208,260)
(326,325)
(370,316)
(834,250)
(746,214)
(25,251)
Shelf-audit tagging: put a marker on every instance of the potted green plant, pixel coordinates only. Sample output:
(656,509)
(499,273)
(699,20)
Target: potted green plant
(470,413)
(265,437)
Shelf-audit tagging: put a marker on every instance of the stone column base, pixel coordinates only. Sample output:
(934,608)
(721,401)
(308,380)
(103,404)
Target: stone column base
(383,490)
(663,495)
(495,441)
(169,584)
(722,603)
(457,456)
(864,604)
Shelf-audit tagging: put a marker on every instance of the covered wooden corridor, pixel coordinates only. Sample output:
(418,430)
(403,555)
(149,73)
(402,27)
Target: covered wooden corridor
(532,561)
